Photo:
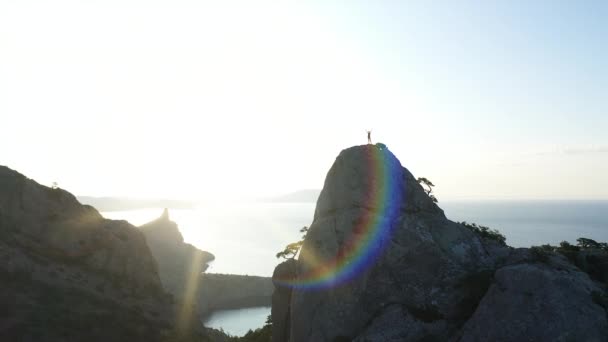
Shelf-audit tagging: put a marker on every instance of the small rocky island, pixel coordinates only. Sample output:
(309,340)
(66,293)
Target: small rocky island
(381,262)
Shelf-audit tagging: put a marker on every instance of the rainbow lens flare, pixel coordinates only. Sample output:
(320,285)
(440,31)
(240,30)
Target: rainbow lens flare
(372,232)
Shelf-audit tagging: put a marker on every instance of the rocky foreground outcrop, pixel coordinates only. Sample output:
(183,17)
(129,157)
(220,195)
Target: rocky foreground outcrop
(181,268)
(68,274)
(403,272)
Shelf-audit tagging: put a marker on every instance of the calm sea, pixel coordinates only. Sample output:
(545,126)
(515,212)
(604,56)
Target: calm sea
(238,322)
(245,237)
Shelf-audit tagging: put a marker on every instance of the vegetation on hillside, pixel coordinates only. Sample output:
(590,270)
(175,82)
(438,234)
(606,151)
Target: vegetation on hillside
(292,249)
(485,232)
(588,255)
(568,250)
(429,187)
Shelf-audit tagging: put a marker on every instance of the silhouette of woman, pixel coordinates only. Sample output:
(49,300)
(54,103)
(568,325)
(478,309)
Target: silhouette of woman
(369,136)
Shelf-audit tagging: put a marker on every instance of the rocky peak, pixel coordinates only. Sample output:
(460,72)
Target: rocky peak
(381,262)
(165,215)
(371,177)
(163,231)
(180,264)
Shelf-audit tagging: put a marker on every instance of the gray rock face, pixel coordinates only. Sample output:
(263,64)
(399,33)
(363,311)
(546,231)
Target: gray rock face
(537,302)
(404,327)
(281,299)
(403,272)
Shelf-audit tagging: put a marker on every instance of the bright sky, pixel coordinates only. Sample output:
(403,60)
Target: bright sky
(197,99)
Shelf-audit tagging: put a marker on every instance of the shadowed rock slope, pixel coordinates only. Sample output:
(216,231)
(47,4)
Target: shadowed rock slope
(434,280)
(181,267)
(68,274)
(180,264)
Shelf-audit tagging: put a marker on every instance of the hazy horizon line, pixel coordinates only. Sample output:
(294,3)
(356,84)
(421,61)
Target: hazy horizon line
(285,198)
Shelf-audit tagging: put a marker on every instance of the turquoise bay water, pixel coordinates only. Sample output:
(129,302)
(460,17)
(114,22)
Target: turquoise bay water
(245,237)
(238,322)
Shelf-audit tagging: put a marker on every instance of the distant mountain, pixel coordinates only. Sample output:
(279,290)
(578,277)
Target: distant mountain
(300,196)
(125,203)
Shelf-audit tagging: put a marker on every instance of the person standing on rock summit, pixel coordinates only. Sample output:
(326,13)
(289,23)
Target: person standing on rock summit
(369,136)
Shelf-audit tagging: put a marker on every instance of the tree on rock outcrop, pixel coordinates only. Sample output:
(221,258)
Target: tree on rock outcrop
(486,232)
(429,190)
(292,249)
(589,243)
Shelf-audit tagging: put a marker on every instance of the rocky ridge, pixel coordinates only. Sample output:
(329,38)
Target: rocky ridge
(435,280)
(69,274)
(181,267)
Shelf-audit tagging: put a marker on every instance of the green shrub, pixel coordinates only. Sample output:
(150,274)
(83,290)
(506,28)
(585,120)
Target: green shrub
(486,232)
(588,255)
(540,253)
(429,188)
(292,249)
(589,243)
(566,246)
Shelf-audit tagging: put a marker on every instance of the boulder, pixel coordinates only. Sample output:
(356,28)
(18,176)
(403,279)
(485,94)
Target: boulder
(538,302)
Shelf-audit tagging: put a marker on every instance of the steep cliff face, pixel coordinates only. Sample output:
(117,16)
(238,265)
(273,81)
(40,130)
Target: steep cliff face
(181,267)
(381,262)
(69,274)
